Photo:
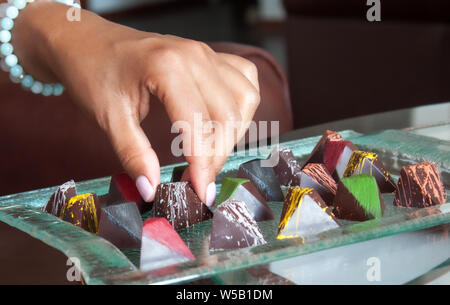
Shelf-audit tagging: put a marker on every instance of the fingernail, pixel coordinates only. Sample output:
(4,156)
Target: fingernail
(211,194)
(145,188)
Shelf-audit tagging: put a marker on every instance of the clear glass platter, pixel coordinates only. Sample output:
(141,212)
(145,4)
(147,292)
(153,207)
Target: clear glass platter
(102,263)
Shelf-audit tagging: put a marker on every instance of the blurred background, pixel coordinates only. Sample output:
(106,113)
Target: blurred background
(319,61)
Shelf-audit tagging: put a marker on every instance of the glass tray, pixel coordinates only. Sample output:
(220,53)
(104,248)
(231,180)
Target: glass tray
(102,263)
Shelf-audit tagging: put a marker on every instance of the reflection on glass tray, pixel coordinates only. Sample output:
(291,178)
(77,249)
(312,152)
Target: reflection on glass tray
(102,263)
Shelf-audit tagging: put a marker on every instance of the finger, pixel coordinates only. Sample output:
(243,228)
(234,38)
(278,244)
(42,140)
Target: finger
(223,109)
(245,94)
(135,153)
(188,114)
(245,66)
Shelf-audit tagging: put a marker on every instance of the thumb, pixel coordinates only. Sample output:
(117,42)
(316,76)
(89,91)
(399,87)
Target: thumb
(135,154)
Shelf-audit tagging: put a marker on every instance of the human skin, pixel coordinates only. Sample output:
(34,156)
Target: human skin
(111,71)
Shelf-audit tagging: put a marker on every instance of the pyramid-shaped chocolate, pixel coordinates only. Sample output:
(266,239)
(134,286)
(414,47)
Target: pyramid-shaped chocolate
(121,224)
(180,205)
(263,178)
(177,173)
(60,198)
(362,162)
(317,177)
(83,211)
(162,246)
(304,214)
(243,190)
(420,186)
(123,189)
(287,169)
(358,198)
(317,155)
(337,154)
(233,227)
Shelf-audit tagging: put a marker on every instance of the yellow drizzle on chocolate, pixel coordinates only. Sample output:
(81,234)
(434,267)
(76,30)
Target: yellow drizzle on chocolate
(356,163)
(87,201)
(294,198)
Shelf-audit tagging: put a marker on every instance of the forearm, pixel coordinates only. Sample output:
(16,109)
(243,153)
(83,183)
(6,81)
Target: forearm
(42,35)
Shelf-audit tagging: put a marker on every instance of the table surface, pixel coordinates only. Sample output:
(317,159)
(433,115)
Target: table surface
(347,264)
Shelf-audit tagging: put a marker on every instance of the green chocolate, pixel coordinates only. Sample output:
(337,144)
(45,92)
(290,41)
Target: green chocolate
(365,189)
(229,186)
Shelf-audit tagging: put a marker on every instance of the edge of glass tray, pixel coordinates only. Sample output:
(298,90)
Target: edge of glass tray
(103,263)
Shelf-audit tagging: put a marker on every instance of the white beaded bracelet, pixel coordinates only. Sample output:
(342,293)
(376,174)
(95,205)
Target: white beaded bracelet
(9,62)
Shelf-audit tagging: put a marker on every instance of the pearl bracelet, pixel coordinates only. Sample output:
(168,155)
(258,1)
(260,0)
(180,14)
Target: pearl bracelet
(9,62)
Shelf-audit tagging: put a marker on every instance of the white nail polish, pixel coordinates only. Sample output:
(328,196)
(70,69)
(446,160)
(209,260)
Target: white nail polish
(210,194)
(145,188)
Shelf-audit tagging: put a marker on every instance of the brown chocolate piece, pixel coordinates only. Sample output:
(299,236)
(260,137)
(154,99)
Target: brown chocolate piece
(317,155)
(60,198)
(121,224)
(304,214)
(287,168)
(83,211)
(316,176)
(263,178)
(347,206)
(233,227)
(420,186)
(180,205)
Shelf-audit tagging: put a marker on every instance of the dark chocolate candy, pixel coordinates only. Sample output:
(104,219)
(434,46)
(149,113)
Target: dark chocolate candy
(121,224)
(263,178)
(162,246)
(362,162)
(317,155)
(243,190)
(60,198)
(233,227)
(316,176)
(83,211)
(123,189)
(287,169)
(420,186)
(334,154)
(177,173)
(304,214)
(180,205)
(363,204)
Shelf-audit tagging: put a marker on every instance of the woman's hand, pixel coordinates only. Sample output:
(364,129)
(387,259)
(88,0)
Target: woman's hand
(112,71)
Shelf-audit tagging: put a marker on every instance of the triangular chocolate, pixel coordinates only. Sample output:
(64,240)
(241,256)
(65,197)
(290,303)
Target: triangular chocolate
(420,186)
(243,190)
(362,162)
(233,227)
(177,173)
(60,198)
(316,176)
(162,246)
(334,153)
(180,205)
(287,169)
(123,189)
(121,224)
(358,198)
(83,211)
(317,155)
(304,214)
(263,178)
